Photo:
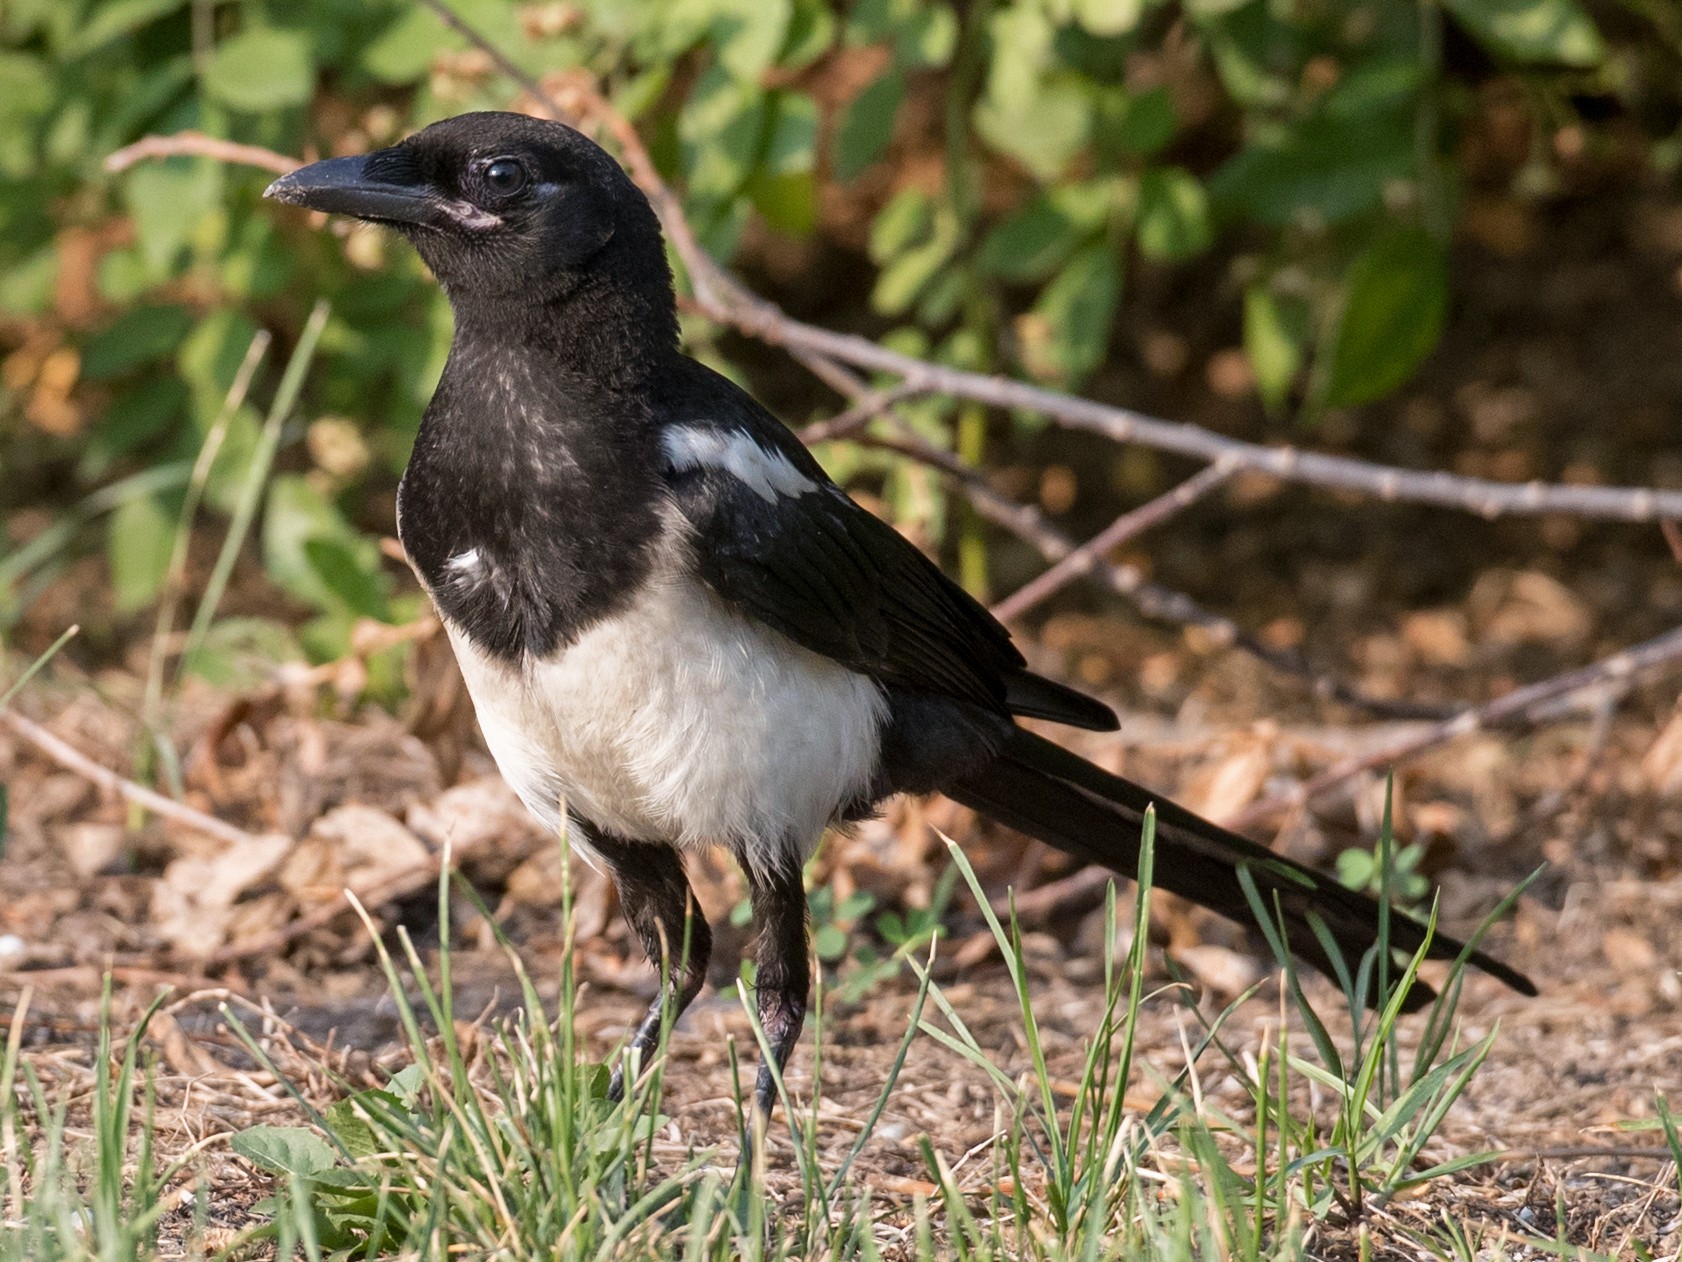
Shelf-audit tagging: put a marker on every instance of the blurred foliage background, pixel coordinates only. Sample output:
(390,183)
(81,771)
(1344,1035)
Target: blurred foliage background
(987,184)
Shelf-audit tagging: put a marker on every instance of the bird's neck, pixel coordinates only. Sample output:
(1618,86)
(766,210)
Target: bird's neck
(616,336)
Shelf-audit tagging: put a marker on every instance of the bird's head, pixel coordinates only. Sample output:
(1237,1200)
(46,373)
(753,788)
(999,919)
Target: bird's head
(504,208)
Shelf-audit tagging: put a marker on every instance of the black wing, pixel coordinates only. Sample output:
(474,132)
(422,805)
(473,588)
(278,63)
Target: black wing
(839,581)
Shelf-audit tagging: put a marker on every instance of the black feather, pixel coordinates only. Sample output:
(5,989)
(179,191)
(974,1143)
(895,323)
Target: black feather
(1045,791)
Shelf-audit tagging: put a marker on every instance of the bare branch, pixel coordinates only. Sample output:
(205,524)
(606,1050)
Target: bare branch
(1672,538)
(863,410)
(719,295)
(1522,706)
(1383,482)
(723,298)
(1151,599)
(72,759)
(196,144)
(1130,524)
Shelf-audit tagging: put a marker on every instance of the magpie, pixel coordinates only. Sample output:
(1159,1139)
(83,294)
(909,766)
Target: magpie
(676,630)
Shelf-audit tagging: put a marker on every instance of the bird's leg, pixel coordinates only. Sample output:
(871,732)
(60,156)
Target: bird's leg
(783,970)
(661,909)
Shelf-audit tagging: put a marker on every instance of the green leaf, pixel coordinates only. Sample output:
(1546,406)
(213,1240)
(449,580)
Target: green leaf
(354,579)
(789,203)
(294,1150)
(907,218)
(166,201)
(1173,223)
(1067,333)
(348,1120)
(1108,17)
(722,127)
(868,125)
(406,1083)
(140,336)
(784,189)
(113,19)
(829,942)
(140,534)
(1044,132)
(1393,310)
(26,88)
(261,68)
(297,516)
(1552,32)
(811,31)
(239,654)
(26,286)
(792,146)
(1034,242)
(1275,335)
(404,50)
(749,34)
(1325,170)
(1147,124)
(135,417)
(911,271)
(927,38)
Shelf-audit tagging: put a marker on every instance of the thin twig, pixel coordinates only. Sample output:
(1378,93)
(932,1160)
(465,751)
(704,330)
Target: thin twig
(1522,705)
(1066,896)
(196,144)
(723,298)
(399,886)
(1672,537)
(1151,599)
(72,759)
(863,410)
(1084,559)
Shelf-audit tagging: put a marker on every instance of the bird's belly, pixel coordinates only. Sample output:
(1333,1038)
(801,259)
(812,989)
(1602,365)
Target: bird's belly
(682,722)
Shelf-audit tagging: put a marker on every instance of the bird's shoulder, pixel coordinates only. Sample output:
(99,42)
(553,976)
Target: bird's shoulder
(776,538)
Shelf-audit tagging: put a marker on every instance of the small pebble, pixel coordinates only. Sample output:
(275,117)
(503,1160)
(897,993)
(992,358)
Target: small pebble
(12,947)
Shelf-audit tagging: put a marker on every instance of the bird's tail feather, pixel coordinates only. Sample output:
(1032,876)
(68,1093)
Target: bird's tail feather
(1043,790)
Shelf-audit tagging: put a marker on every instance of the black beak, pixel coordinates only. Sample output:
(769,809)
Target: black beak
(343,186)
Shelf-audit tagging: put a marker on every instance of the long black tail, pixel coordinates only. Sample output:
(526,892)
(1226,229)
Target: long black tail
(1045,791)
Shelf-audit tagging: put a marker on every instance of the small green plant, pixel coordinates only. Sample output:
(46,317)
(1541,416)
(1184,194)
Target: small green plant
(66,1198)
(512,1151)
(1363,870)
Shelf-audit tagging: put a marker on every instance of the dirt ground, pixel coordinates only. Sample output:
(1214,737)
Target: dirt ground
(1408,603)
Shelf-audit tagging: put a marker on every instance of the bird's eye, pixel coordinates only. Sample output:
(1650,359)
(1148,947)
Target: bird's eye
(505,176)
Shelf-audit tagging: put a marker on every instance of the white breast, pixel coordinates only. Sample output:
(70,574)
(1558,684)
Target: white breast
(681,721)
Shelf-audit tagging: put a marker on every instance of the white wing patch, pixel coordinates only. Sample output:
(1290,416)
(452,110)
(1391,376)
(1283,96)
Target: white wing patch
(767,474)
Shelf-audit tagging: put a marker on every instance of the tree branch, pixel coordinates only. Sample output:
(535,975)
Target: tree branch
(1522,706)
(198,145)
(1086,557)
(1151,599)
(72,759)
(723,298)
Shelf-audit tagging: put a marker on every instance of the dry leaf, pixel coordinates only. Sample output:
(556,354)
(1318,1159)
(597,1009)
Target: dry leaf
(191,903)
(180,1051)
(1528,607)
(1226,973)
(1661,766)
(354,847)
(480,814)
(1437,637)
(1628,951)
(89,847)
(1221,790)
